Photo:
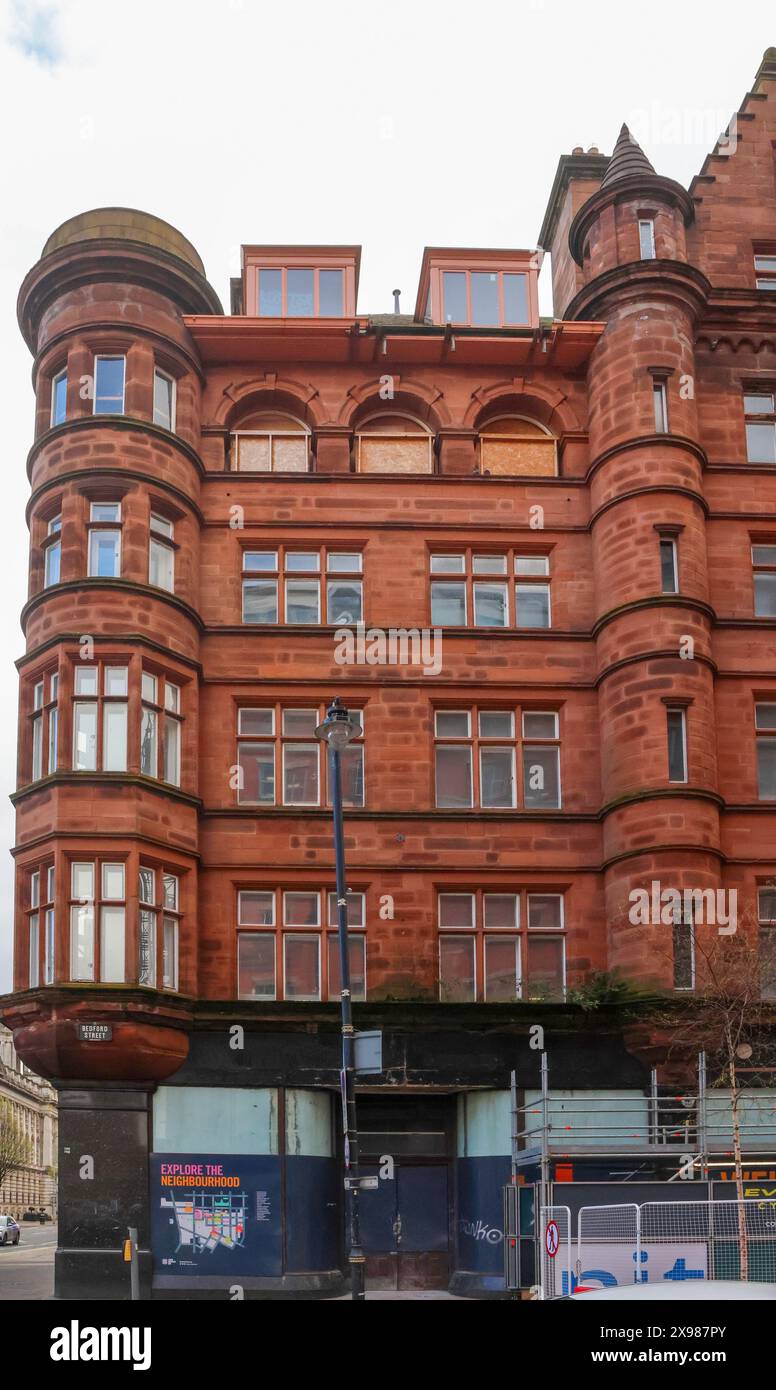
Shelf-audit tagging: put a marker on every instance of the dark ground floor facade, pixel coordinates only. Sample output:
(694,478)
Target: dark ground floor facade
(231,1168)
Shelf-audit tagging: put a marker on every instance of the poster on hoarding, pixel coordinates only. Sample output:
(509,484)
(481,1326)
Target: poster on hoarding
(214,1214)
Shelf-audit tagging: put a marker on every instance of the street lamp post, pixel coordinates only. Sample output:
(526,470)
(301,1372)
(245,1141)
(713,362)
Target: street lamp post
(336,731)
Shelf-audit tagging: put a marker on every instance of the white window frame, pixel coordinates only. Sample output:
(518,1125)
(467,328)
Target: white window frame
(97,528)
(55,380)
(669,541)
(475,982)
(165,376)
(314,934)
(469,926)
(110,357)
(678,709)
(660,405)
(647,231)
(163,539)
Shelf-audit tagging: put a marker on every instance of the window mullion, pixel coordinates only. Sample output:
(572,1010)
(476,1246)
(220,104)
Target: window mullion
(475,757)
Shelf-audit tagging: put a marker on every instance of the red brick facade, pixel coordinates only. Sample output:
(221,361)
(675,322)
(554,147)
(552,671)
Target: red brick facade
(611,664)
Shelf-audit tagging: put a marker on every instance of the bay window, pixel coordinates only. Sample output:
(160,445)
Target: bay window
(160,728)
(52,552)
(98,921)
(59,398)
(164,400)
(109,385)
(161,553)
(104,543)
(99,717)
(158,927)
(40,926)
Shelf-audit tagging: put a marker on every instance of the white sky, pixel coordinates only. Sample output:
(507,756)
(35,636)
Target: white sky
(419,122)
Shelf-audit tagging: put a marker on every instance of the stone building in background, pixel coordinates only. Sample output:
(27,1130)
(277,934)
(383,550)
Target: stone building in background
(30,1104)
(538,557)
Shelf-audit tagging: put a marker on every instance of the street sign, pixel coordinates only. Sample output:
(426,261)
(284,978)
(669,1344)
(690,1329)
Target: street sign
(552,1239)
(364,1184)
(95,1032)
(369,1053)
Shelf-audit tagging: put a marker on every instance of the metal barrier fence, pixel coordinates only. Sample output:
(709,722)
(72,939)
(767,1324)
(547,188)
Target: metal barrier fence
(555,1252)
(625,1243)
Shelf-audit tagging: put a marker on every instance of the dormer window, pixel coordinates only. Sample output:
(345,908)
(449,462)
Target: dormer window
(478,289)
(306,293)
(485,299)
(300,282)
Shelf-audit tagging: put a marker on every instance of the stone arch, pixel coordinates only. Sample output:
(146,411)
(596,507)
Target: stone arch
(413,398)
(284,395)
(544,405)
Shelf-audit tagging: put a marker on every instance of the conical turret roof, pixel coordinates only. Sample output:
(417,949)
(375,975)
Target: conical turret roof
(628,159)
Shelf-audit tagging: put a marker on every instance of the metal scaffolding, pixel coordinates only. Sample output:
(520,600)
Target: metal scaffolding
(687,1126)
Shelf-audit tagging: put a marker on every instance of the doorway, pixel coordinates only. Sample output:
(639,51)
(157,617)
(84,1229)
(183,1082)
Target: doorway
(406,1221)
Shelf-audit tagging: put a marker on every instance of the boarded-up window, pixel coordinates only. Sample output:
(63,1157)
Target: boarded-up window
(394,444)
(275,444)
(512,446)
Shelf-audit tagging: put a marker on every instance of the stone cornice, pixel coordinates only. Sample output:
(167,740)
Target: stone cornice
(84,584)
(108,639)
(120,780)
(655,654)
(130,475)
(648,441)
(653,601)
(638,280)
(114,422)
(673,488)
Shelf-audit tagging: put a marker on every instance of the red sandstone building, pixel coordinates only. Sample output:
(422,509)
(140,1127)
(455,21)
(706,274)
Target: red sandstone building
(231,514)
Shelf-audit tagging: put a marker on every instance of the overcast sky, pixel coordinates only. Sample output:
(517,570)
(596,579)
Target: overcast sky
(398,125)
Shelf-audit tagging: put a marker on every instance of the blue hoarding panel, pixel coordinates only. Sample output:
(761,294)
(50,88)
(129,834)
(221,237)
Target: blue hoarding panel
(423,1209)
(313,1206)
(481,1215)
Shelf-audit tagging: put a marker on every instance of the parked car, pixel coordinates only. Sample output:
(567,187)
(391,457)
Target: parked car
(9,1231)
(679,1291)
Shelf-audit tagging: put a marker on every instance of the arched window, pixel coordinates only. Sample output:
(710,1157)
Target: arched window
(394,444)
(272,443)
(514,446)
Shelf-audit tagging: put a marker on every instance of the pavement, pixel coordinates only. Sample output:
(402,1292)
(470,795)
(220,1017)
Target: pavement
(27,1269)
(27,1273)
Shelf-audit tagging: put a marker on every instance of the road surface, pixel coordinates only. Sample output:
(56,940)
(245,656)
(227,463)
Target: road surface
(27,1269)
